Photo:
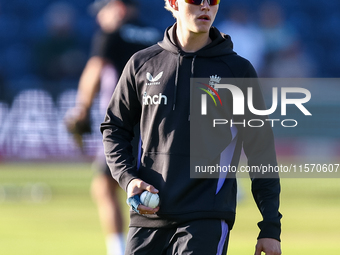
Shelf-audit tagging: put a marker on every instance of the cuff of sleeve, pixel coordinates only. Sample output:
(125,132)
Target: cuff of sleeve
(270,230)
(126,178)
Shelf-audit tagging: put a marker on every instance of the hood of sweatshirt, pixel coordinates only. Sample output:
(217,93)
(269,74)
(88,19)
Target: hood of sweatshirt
(221,44)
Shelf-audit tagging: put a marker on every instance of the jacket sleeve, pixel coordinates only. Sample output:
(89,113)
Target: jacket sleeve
(122,115)
(258,145)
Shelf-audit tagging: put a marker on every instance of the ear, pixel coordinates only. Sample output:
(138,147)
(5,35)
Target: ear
(173,4)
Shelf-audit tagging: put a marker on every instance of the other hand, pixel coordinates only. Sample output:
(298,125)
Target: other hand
(269,246)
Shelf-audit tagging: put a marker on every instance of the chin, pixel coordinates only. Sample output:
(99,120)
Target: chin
(203,29)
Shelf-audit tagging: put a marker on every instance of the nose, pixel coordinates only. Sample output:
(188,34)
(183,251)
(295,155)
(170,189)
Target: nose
(205,4)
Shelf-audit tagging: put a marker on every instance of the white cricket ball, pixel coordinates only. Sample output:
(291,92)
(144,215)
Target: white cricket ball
(149,199)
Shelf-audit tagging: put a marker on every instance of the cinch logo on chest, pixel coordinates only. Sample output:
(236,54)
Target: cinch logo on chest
(155,99)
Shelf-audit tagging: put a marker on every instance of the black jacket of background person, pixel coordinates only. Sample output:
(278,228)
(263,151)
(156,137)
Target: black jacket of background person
(164,71)
(118,47)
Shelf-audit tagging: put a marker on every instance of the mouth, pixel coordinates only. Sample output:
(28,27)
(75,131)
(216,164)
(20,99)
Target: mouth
(204,17)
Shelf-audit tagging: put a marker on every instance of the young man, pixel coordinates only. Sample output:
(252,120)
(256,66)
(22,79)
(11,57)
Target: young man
(195,215)
(119,37)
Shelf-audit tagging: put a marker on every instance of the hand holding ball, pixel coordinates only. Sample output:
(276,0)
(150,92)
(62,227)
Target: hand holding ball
(149,199)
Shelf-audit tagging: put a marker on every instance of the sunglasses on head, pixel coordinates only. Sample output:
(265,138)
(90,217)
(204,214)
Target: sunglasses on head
(199,2)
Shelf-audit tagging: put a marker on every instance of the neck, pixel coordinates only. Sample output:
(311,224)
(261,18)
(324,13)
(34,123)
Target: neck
(191,42)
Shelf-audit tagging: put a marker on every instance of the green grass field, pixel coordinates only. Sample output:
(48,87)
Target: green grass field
(47,209)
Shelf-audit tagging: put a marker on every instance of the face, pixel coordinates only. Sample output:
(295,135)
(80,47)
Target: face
(111,17)
(195,18)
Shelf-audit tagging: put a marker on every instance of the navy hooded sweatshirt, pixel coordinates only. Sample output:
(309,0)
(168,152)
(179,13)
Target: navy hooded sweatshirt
(154,92)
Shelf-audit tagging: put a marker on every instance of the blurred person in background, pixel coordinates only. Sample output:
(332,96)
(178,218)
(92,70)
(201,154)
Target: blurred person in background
(292,62)
(119,37)
(283,50)
(245,33)
(58,54)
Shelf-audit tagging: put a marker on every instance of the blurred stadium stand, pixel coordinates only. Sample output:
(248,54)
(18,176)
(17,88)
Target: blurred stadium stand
(33,101)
